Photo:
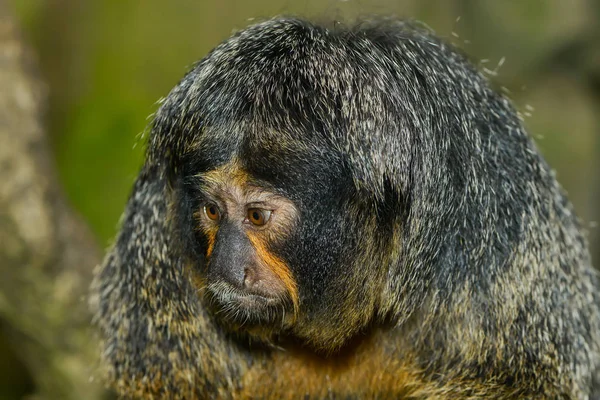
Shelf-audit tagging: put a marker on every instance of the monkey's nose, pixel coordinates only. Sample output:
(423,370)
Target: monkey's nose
(240,278)
(230,257)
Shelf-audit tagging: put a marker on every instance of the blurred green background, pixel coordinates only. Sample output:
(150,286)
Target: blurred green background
(107,62)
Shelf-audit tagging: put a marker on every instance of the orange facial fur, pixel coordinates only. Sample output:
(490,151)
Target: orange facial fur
(210,235)
(230,179)
(277,267)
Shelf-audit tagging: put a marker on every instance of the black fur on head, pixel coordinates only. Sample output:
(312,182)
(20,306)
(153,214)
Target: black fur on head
(419,192)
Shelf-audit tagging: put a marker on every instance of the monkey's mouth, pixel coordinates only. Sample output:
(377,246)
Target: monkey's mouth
(244,309)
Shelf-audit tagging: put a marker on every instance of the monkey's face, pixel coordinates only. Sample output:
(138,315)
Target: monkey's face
(274,241)
(243,224)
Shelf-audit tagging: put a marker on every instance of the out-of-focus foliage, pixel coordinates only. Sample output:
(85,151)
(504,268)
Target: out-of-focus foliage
(108,62)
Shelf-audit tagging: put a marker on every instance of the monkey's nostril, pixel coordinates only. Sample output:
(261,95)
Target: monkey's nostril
(249,277)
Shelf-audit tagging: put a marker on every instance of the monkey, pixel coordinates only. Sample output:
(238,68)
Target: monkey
(345,211)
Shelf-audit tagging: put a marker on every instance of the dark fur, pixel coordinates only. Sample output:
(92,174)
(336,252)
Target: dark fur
(427,216)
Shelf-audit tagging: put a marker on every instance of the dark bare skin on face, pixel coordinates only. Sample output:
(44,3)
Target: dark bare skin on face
(345,212)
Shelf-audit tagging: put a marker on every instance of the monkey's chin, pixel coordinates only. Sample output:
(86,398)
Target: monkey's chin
(242,310)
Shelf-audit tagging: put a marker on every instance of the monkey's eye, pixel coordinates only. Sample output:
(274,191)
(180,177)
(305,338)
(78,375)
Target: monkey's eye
(258,216)
(212,212)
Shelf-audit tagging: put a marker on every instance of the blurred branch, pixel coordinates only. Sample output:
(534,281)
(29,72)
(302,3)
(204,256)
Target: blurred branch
(46,253)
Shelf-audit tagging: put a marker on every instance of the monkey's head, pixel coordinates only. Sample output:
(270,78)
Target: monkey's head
(309,181)
(264,203)
(274,214)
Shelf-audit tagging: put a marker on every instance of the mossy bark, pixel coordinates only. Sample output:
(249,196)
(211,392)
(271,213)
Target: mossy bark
(46,253)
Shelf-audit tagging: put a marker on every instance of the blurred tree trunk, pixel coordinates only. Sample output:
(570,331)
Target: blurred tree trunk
(46,253)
